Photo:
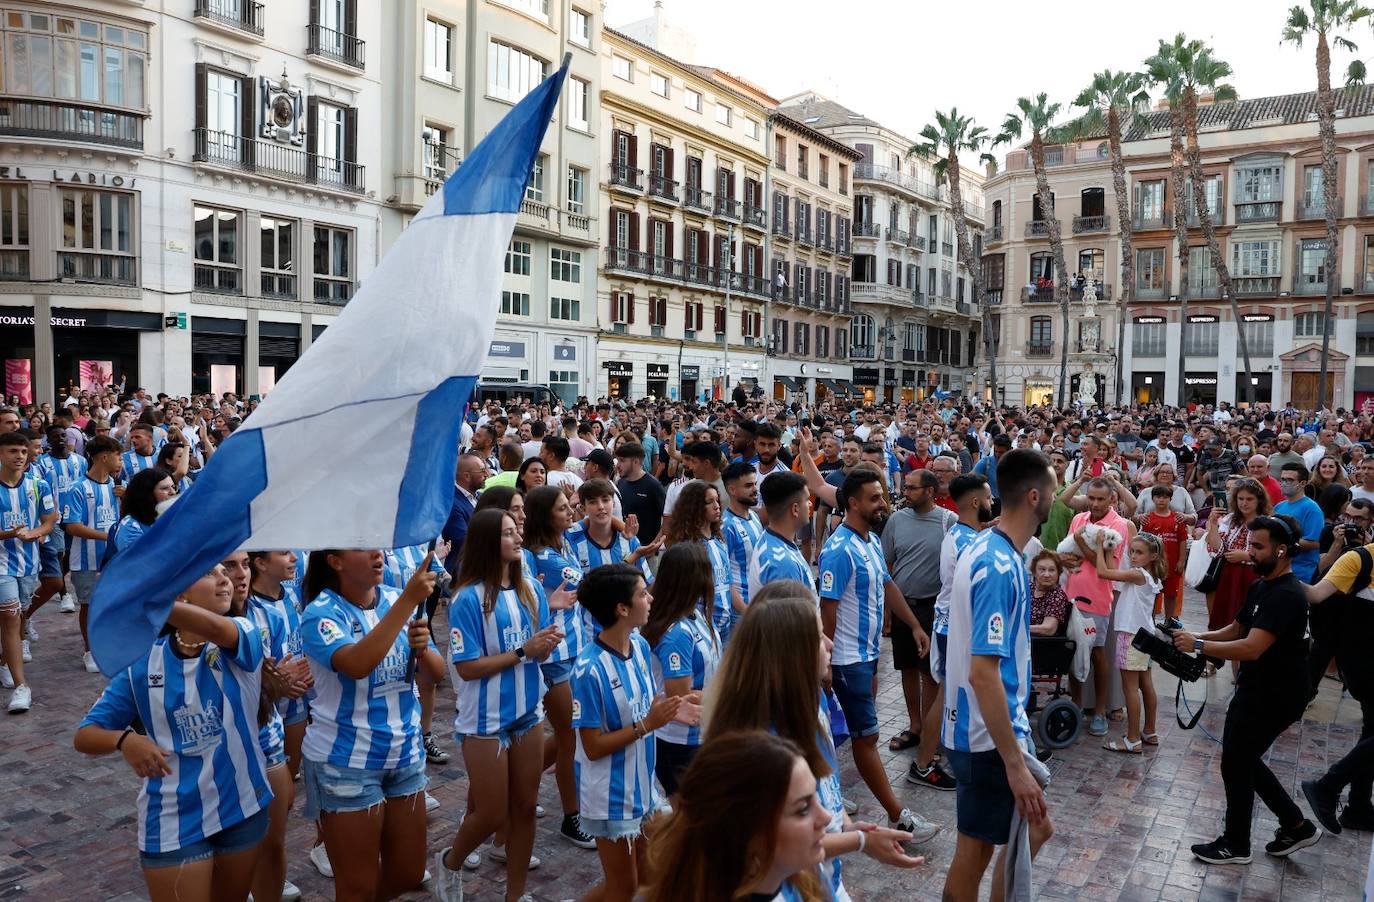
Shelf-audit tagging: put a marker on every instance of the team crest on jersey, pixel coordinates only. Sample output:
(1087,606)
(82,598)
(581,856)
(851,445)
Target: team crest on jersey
(455,640)
(329,631)
(995,629)
(827,581)
(674,661)
(212,658)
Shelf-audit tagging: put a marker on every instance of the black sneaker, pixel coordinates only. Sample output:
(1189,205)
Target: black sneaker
(572,832)
(935,776)
(1289,840)
(1219,851)
(1357,818)
(1323,804)
(434,754)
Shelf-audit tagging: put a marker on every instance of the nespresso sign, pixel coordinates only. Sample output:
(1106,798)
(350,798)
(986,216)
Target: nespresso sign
(77,178)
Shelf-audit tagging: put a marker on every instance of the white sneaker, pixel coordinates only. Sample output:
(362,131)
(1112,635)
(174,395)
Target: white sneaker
(24,651)
(68,604)
(539,811)
(29,632)
(6,678)
(498,854)
(91,667)
(290,892)
(474,860)
(447,885)
(921,830)
(431,804)
(21,700)
(319,857)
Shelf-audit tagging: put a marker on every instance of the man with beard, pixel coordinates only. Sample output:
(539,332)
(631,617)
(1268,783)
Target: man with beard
(767,443)
(1284,453)
(1267,638)
(740,526)
(987,685)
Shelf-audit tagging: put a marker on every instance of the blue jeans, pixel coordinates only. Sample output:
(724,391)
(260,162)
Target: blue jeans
(16,591)
(332,789)
(245,834)
(853,684)
(505,737)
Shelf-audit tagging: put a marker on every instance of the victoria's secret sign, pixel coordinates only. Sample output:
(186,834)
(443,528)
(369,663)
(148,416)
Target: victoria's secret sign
(77,178)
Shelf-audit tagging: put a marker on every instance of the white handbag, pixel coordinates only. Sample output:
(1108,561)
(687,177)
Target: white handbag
(1081,630)
(1199,559)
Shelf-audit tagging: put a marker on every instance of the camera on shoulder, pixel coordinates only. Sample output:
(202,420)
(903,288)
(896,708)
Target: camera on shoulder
(1189,668)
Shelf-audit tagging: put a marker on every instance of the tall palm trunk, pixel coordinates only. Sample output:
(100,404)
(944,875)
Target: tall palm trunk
(1209,233)
(975,271)
(1124,224)
(1177,190)
(1061,276)
(1326,119)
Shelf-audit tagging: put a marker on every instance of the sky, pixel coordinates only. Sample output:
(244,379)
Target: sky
(895,62)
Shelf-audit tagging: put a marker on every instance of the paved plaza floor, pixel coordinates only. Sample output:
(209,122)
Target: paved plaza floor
(1123,823)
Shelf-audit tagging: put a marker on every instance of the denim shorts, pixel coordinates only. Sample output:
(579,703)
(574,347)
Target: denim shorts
(556,672)
(613,830)
(505,737)
(245,834)
(83,584)
(853,684)
(332,789)
(983,800)
(50,553)
(16,591)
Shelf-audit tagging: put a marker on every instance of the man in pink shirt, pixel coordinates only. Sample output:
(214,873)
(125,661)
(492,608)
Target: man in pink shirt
(1084,583)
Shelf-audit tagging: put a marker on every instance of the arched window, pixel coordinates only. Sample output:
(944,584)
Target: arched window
(861,335)
(1091,262)
(996,213)
(1042,267)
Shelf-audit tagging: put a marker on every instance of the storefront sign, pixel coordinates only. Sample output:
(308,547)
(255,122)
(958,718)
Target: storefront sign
(1199,380)
(658,369)
(78,178)
(67,322)
(1149,320)
(1257,318)
(1202,318)
(619,368)
(691,373)
(563,352)
(865,376)
(514,349)
(19,379)
(85,319)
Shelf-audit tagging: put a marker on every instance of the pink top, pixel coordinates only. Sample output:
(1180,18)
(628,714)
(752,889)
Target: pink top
(1085,581)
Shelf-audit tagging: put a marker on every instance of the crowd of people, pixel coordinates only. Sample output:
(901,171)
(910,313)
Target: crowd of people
(679,612)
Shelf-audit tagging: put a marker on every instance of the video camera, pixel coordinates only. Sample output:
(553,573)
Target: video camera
(1189,668)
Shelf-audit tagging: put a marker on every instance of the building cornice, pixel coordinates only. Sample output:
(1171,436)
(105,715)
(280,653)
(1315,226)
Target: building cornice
(612,102)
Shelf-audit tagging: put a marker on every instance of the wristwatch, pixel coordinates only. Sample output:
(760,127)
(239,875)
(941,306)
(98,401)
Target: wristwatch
(1197,646)
(520,653)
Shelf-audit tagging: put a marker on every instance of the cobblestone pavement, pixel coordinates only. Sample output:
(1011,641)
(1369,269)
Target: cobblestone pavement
(1123,823)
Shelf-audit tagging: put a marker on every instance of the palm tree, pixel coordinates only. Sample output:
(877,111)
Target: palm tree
(942,141)
(1163,71)
(1038,116)
(1327,16)
(1111,97)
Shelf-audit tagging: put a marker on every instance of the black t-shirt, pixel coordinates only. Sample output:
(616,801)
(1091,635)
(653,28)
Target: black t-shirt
(644,498)
(1279,675)
(1183,454)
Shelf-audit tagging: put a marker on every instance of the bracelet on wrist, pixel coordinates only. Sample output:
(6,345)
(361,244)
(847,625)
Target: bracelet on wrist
(119,746)
(863,840)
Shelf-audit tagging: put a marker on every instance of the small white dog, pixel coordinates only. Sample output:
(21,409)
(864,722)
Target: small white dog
(1094,535)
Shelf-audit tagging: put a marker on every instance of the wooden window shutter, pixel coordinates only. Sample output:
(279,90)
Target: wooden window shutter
(634,231)
(630,303)
(350,22)
(720,319)
(689,320)
(744,322)
(703,247)
(350,149)
(610,226)
(312,124)
(615,306)
(668,168)
(201,78)
(314,12)
(668,240)
(617,149)
(633,162)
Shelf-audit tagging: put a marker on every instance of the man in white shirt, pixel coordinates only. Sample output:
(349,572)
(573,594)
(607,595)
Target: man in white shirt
(1364,478)
(533,445)
(555,456)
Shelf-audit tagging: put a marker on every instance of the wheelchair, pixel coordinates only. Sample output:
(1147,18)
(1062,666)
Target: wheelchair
(1057,721)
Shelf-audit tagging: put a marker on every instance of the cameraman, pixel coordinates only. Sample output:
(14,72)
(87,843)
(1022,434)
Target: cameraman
(1267,638)
(1350,531)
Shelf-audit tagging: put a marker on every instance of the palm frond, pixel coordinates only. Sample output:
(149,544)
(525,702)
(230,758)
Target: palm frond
(1355,74)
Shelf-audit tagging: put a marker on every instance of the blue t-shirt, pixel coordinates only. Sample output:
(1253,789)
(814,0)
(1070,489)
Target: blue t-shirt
(492,704)
(741,535)
(272,629)
(23,505)
(1309,516)
(93,505)
(854,574)
(688,648)
(775,557)
(287,607)
(136,463)
(610,692)
(550,568)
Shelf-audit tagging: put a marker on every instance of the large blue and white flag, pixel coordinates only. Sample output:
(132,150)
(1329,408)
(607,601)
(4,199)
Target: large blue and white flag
(357,446)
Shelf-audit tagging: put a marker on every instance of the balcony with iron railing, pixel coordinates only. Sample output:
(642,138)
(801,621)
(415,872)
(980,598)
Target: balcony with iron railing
(993,234)
(728,208)
(1251,286)
(755,217)
(697,199)
(825,243)
(1149,292)
(1200,287)
(60,120)
(14,266)
(1154,220)
(874,173)
(1083,225)
(1217,214)
(863,352)
(627,177)
(1039,349)
(896,236)
(782,228)
(867,230)
(662,187)
(1037,295)
(268,158)
(215,278)
(916,241)
(240,15)
(1037,228)
(103,269)
(335,46)
(803,237)
(1262,211)
(278,285)
(676,270)
(1317,210)
(1307,284)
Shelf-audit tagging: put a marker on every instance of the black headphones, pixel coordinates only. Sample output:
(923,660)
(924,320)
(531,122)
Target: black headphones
(1276,525)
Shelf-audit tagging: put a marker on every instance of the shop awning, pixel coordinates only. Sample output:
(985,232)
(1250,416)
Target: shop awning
(791,383)
(829,384)
(846,386)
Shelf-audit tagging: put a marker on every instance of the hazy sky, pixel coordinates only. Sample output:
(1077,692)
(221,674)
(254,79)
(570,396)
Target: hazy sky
(896,62)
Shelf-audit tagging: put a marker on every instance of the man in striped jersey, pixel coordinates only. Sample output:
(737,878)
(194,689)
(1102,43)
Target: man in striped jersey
(89,511)
(855,589)
(595,540)
(28,512)
(776,555)
(141,455)
(741,527)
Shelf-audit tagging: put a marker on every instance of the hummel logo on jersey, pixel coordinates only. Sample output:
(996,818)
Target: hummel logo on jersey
(995,629)
(155,681)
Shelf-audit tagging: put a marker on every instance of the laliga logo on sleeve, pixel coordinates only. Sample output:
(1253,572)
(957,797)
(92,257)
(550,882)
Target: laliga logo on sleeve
(827,581)
(455,640)
(674,661)
(330,632)
(577,709)
(995,629)
(572,576)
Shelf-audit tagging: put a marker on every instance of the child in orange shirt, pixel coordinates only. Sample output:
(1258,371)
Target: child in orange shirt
(1172,531)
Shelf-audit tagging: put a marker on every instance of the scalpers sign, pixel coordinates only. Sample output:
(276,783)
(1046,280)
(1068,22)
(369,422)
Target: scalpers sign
(78,178)
(70,322)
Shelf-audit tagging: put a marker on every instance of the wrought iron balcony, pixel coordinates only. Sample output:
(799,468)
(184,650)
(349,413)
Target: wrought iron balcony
(896,236)
(782,293)
(916,241)
(1256,285)
(1083,225)
(626,176)
(697,199)
(1037,228)
(243,15)
(803,236)
(1031,295)
(1201,289)
(867,230)
(105,269)
(825,243)
(1039,349)
(1150,293)
(277,160)
(1218,215)
(661,186)
(1264,211)
(1104,293)
(993,234)
(755,217)
(216,279)
(782,228)
(1149,220)
(728,208)
(335,45)
(1305,285)
(866,352)
(279,285)
(66,121)
(1317,210)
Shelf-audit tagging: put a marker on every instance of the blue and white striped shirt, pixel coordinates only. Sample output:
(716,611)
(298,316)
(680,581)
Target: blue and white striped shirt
(289,610)
(400,564)
(741,535)
(273,631)
(136,463)
(611,692)
(854,574)
(204,710)
(489,705)
(722,611)
(828,791)
(989,614)
(955,541)
(128,531)
(550,568)
(776,558)
(63,473)
(371,723)
(23,505)
(590,555)
(94,505)
(688,648)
